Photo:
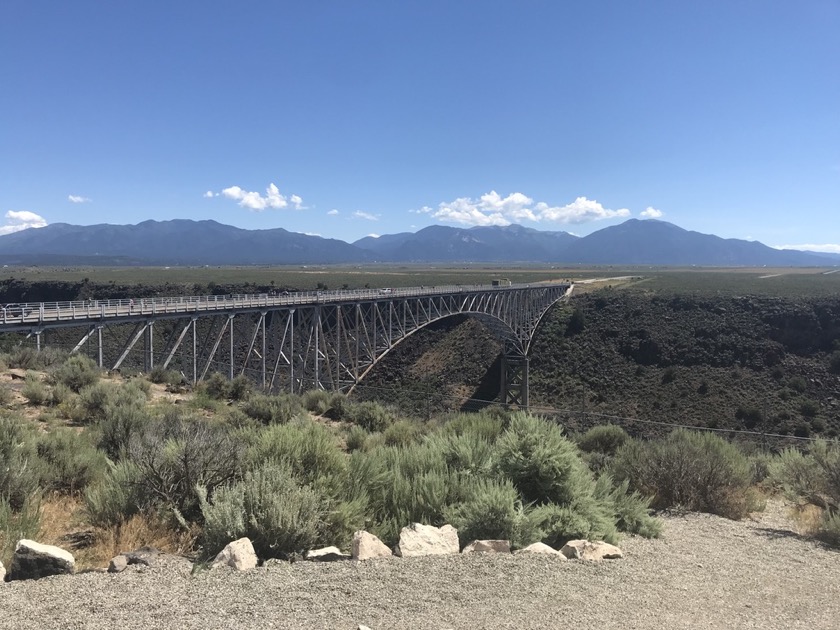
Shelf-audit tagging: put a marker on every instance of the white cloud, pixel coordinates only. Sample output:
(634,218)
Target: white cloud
(210,194)
(257,202)
(17,220)
(493,209)
(651,213)
(332,212)
(367,216)
(828,248)
(78,199)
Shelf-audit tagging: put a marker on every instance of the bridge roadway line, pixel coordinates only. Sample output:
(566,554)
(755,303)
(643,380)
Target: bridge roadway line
(29,316)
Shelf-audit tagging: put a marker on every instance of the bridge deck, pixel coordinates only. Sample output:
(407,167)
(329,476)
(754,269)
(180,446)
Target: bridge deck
(26,316)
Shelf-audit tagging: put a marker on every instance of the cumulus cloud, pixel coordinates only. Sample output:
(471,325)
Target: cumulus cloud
(493,209)
(367,216)
(17,220)
(258,202)
(332,212)
(651,213)
(77,199)
(210,194)
(826,248)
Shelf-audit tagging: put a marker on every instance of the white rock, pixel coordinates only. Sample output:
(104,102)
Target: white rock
(326,554)
(425,540)
(118,564)
(539,547)
(239,554)
(2,572)
(33,560)
(488,546)
(590,550)
(366,546)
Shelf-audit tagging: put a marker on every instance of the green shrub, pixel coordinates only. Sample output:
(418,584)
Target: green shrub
(813,476)
(470,452)
(28,358)
(402,433)
(309,450)
(371,416)
(20,467)
(279,409)
(176,455)
(587,518)
(630,509)
(492,510)
(122,413)
(829,531)
(280,516)
(317,401)
(171,378)
(5,394)
(15,524)
(355,438)
(216,386)
(486,424)
(240,388)
(693,470)
(809,408)
(34,390)
(71,461)
(95,400)
(797,384)
(751,416)
(605,439)
(117,497)
(77,372)
(834,362)
(544,466)
(59,394)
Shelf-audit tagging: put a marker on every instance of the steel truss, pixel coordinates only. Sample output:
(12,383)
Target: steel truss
(321,345)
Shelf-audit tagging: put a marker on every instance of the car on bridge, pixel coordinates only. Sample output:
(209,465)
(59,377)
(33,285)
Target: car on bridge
(386,291)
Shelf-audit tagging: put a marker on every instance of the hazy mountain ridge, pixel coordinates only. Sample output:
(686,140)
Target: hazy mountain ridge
(188,242)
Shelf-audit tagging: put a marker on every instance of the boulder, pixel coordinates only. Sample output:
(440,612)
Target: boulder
(143,556)
(425,540)
(33,560)
(118,564)
(366,546)
(239,555)
(488,546)
(2,572)
(539,547)
(326,554)
(590,550)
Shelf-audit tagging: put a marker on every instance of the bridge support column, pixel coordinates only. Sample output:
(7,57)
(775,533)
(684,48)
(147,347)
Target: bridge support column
(515,380)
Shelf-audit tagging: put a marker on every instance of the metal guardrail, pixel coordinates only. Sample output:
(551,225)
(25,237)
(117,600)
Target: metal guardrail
(46,312)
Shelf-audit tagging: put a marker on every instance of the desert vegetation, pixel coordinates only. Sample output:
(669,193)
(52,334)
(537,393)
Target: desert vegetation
(110,463)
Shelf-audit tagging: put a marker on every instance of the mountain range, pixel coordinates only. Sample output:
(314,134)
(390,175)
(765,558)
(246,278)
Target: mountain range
(187,242)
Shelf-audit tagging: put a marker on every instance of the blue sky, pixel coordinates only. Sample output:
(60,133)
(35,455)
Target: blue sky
(349,118)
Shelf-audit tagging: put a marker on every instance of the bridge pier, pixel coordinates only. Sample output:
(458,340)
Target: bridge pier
(515,380)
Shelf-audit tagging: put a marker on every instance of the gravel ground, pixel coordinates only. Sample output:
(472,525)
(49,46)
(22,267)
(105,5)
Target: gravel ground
(706,572)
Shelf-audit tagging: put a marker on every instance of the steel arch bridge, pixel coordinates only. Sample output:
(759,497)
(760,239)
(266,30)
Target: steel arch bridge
(287,342)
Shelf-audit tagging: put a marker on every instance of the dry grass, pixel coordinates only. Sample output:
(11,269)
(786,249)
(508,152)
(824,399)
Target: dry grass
(63,521)
(807,518)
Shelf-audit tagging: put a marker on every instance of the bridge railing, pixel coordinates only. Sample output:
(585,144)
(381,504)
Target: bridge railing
(26,313)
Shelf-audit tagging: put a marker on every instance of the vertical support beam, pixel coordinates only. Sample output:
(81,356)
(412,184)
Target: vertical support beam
(99,343)
(150,352)
(194,357)
(262,321)
(317,384)
(515,380)
(231,346)
(38,340)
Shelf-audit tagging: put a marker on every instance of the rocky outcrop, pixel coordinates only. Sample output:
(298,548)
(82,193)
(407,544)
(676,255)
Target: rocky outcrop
(366,546)
(144,556)
(326,554)
(238,555)
(590,550)
(540,547)
(33,560)
(426,540)
(488,546)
